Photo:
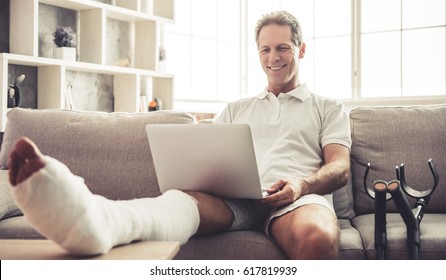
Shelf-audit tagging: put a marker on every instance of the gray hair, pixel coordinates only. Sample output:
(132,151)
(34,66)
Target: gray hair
(281,18)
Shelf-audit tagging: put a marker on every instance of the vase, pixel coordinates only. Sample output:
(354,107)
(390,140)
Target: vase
(66,53)
(161,66)
(13,96)
(147,7)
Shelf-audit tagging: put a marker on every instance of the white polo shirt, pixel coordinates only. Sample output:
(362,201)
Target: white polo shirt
(289,131)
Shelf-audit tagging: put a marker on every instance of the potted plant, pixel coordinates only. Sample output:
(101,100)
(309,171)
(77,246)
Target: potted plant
(65,40)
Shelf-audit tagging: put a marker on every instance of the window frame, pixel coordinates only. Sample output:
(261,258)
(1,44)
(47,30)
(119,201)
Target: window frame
(356,100)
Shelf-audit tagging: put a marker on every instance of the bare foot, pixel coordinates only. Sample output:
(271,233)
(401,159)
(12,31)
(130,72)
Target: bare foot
(24,160)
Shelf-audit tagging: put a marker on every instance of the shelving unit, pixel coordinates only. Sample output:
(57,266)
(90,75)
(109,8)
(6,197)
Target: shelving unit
(146,18)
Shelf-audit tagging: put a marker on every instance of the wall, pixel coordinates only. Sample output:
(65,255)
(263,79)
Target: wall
(4,25)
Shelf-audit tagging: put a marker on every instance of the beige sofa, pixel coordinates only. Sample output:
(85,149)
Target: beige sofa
(110,150)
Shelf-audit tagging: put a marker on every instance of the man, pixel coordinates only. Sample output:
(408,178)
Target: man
(302,142)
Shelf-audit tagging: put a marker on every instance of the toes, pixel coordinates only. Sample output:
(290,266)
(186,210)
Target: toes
(14,163)
(27,149)
(24,160)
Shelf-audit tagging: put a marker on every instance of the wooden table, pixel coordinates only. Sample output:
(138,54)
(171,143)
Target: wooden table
(18,249)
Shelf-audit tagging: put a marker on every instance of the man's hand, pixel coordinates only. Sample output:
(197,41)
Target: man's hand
(283,192)
(330,177)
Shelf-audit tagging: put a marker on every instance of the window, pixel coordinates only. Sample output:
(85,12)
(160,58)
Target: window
(403,48)
(357,50)
(203,49)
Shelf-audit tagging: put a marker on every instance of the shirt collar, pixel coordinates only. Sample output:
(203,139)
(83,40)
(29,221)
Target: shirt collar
(301,92)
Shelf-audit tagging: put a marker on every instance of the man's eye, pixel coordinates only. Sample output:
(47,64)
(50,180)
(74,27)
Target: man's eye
(264,50)
(284,49)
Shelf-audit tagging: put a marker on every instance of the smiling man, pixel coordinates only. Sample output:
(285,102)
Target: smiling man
(302,144)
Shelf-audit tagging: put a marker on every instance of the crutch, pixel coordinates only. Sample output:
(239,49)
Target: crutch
(412,217)
(380,195)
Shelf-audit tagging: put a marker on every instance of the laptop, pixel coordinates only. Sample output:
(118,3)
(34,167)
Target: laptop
(217,159)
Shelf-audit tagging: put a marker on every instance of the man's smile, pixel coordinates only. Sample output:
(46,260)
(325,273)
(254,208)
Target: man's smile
(276,68)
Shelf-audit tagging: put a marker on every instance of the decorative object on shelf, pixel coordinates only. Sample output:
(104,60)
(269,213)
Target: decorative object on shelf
(125,62)
(14,92)
(162,59)
(65,40)
(69,97)
(156,104)
(143,104)
(147,7)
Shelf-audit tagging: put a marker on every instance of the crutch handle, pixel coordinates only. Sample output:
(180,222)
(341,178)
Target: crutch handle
(412,191)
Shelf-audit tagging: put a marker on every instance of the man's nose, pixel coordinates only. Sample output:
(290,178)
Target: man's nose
(274,56)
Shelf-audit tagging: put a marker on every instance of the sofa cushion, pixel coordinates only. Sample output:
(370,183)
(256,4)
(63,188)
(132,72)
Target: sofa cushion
(234,245)
(109,150)
(343,201)
(253,245)
(350,242)
(18,228)
(385,137)
(7,206)
(433,241)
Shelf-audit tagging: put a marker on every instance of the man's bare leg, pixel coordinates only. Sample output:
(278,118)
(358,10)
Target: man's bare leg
(215,214)
(308,232)
(59,205)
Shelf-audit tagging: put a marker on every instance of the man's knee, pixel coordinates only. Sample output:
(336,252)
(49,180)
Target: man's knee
(321,236)
(315,241)
(309,233)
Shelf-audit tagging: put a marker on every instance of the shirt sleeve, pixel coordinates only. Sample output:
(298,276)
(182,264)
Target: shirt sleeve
(335,126)
(224,116)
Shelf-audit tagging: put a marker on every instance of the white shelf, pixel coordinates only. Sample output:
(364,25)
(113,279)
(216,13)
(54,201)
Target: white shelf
(128,11)
(93,15)
(24,60)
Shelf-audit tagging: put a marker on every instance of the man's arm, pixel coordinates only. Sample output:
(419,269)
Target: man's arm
(330,177)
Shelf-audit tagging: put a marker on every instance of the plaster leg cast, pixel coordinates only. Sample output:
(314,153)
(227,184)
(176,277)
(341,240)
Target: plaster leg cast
(60,206)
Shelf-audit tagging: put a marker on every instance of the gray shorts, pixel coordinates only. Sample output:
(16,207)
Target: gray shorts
(254,215)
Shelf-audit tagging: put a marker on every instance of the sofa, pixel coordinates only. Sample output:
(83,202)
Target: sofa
(111,151)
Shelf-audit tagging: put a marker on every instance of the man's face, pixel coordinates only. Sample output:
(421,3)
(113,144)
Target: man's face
(278,57)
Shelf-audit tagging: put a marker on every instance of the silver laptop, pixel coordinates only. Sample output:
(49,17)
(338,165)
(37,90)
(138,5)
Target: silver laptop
(218,159)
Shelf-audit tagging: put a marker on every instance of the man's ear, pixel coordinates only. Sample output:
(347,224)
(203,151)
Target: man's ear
(302,50)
